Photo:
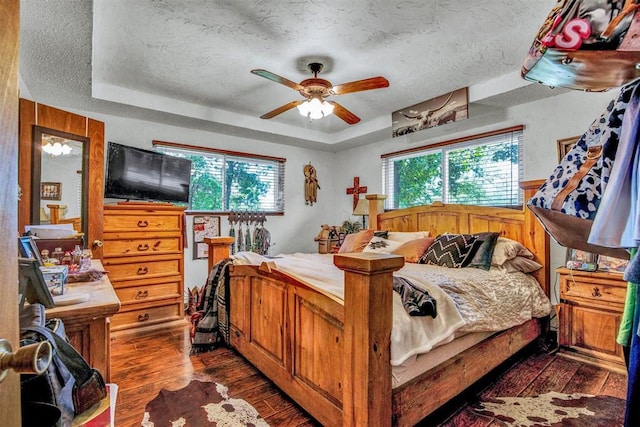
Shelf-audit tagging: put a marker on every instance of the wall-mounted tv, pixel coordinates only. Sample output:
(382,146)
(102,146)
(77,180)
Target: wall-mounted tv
(137,174)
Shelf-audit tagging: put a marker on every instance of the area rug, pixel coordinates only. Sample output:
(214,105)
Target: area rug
(555,409)
(200,404)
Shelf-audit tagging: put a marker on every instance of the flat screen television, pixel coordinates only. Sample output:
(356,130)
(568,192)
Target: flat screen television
(137,174)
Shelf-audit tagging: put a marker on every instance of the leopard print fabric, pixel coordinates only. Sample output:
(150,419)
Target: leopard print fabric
(584,200)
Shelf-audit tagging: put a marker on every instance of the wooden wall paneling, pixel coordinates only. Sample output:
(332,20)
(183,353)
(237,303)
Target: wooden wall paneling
(95,196)
(9,58)
(27,120)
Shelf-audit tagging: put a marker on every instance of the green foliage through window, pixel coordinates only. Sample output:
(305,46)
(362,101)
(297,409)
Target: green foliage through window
(484,171)
(222,182)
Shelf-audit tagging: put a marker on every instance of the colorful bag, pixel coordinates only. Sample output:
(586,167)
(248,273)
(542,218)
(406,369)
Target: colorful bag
(567,202)
(587,45)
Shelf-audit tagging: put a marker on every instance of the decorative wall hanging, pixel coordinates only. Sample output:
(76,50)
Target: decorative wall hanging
(51,191)
(447,108)
(311,185)
(204,226)
(356,190)
(259,241)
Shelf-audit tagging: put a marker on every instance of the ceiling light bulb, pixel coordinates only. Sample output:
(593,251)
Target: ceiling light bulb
(66,149)
(327,108)
(303,108)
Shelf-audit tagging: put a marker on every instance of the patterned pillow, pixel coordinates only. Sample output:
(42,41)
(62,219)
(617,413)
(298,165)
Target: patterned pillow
(450,250)
(381,245)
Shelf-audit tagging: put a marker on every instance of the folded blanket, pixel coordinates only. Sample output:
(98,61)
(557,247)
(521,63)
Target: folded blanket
(416,301)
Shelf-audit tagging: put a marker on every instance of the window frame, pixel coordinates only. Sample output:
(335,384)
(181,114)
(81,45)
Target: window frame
(445,147)
(279,180)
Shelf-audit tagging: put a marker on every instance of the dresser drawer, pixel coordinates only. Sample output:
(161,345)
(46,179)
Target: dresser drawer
(145,316)
(142,269)
(576,288)
(142,221)
(141,247)
(148,293)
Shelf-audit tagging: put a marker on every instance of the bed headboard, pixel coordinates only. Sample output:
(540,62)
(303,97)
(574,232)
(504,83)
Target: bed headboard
(438,218)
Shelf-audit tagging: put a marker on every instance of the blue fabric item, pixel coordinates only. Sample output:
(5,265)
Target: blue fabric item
(632,413)
(617,221)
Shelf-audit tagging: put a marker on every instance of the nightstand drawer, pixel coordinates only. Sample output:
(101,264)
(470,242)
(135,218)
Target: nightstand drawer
(573,287)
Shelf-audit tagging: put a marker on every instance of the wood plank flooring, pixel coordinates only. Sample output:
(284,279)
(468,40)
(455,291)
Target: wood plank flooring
(142,364)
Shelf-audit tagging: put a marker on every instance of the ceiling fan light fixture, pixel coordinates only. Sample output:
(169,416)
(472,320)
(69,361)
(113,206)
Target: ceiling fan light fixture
(56,149)
(315,109)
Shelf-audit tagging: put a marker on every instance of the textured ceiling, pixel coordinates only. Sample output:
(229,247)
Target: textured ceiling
(188,62)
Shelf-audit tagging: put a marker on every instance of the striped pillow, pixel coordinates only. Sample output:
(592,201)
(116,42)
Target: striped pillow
(450,250)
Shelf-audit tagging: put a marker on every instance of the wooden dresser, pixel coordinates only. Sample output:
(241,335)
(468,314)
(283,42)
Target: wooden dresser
(591,305)
(143,252)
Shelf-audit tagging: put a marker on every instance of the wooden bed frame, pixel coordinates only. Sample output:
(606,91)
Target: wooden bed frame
(332,356)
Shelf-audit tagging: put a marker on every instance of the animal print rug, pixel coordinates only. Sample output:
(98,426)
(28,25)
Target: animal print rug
(200,404)
(555,409)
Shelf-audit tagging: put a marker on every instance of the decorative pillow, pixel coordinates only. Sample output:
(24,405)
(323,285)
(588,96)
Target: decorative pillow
(355,242)
(381,246)
(413,250)
(519,263)
(405,236)
(507,249)
(450,250)
(486,244)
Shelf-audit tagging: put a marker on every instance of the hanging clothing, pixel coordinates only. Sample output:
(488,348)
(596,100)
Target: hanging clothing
(617,222)
(241,242)
(232,233)
(247,240)
(632,412)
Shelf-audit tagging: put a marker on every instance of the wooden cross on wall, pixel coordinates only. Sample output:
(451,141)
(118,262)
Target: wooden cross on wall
(356,190)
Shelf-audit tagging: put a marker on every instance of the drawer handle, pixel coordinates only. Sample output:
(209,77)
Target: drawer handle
(143,223)
(142,247)
(143,270)
(156,245)
(142,295)
(596,292)
(143,317)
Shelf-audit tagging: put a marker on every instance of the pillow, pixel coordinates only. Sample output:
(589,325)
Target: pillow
(355,242)
(450,250)
(381,245)
(413,250)
(519,263)
(405,236)
(486,244)
(507,249)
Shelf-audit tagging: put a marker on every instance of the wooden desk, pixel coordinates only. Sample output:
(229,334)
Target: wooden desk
(87,324)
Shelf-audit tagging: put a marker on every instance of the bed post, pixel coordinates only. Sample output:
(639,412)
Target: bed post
(367,333)
(218,249)
(537,238)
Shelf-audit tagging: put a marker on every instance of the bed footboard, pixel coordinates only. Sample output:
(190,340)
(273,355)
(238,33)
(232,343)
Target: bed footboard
(297,337)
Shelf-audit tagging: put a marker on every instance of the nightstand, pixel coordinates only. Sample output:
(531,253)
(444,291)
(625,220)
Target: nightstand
(591,305)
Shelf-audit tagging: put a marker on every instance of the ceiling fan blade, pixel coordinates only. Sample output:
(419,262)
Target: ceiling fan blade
(360,85)
(276,78)
(281,109)
(344,114)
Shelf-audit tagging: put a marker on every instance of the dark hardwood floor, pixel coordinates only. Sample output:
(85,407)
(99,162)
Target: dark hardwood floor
(142,364)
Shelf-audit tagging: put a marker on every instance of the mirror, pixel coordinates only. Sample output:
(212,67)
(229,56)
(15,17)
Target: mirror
(59,178)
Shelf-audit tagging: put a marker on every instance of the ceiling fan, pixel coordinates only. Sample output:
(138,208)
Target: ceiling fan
(315,91)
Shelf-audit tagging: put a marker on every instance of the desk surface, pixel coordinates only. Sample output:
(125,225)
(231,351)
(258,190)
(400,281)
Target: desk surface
(103,301)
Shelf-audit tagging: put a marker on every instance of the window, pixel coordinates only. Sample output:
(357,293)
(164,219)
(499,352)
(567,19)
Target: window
(480,170)
(223,180)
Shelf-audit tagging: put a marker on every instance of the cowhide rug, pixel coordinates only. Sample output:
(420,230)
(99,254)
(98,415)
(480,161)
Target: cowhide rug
(555,409)
(200,404)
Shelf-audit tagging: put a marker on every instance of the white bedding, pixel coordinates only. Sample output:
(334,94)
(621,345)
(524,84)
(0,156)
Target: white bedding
(468,299)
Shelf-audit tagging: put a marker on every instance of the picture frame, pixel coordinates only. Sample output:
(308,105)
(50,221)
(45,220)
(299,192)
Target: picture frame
(612,265)
(565,144)
(204,226)
(51,191)
(581,260)
(27,248)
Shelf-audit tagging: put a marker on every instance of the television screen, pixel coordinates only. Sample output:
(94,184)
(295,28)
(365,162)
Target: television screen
(137,174)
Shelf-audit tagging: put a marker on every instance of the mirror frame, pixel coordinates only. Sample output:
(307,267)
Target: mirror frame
(36,171)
